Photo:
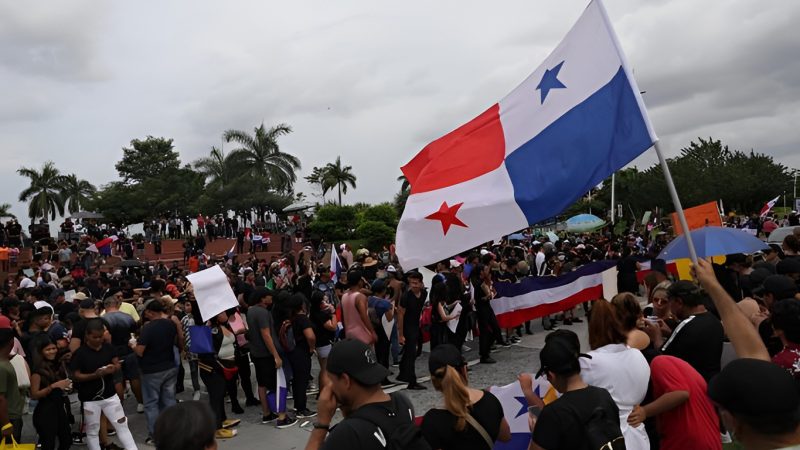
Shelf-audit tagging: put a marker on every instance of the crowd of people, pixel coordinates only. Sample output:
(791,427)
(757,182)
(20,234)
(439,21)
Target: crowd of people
(653,377)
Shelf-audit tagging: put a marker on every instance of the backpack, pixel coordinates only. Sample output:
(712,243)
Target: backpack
(602,432)
(286,336)
(405,436)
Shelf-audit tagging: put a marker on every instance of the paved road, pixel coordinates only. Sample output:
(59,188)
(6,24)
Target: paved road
(522,357)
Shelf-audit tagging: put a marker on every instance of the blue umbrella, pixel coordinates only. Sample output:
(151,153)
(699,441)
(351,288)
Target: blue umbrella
(516,237)
(713,241)
(584,223)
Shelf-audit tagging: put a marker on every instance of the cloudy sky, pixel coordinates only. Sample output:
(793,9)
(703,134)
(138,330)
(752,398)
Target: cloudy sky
(370,81)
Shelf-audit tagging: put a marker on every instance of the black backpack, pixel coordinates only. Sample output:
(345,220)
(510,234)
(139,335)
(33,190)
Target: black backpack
(404,434)
(602,431)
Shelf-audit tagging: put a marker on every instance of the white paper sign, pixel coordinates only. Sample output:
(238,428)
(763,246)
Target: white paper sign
(69,295)
(212,291)
(453,324)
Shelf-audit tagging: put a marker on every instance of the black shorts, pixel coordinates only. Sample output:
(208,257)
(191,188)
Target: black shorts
(266,375)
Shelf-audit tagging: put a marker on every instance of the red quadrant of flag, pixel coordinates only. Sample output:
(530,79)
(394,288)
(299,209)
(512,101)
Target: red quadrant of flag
(474,149)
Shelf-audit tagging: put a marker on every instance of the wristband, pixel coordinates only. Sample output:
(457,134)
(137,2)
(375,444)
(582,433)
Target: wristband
(316,425)
(6,426)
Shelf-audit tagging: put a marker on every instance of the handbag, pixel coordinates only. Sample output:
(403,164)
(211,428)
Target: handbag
(201,340)
(479,428)
(13,445)
(228,372)
(22,371)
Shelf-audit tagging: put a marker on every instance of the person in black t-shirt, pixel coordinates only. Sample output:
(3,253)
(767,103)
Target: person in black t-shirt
(157,361)
(408,329)
(562,423)
(300,356)
(698,338)
(449,428)
(371,416)
(93,366)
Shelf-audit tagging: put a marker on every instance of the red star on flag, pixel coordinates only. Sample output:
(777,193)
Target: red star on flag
(447,215)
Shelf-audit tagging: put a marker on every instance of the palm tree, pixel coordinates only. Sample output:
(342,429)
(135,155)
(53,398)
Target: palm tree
(5,211)
(263,157)
(76,193)
(335,175)
(219,167)
(43,193)
(406,185)
(317,176)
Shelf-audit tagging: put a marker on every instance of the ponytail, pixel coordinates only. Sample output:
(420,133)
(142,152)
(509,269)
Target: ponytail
(456,395)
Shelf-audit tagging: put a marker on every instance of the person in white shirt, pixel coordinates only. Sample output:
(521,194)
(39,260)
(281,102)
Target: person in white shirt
(617,368)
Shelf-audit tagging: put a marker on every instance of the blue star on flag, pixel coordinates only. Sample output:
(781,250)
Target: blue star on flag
(550,81)
(524,402)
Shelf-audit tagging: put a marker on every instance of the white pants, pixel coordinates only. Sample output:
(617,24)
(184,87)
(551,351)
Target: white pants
(112,409)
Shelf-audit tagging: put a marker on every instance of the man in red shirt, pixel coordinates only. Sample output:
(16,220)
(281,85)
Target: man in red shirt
(686,418)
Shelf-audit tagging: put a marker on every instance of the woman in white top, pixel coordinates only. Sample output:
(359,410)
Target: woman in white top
(617,368)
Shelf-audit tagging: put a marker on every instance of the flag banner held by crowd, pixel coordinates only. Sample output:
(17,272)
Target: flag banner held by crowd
(336,265)
(515,410)
(573,122)
(277,399)
(101,243)
(212,292)
(535,297)
(768,207)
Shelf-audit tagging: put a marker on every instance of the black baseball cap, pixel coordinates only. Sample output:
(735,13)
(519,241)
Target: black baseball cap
(445,355)
(734,386)
(780,286)
(788,265)
(559,355)
(357,360)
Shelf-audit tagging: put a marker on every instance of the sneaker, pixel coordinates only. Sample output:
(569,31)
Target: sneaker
(196,396)
(725,438)
(230,423)
(577,319)
(416,387)
(286,422)
(224,433)
(140,408)
(306,414)
(237,409)
(252,402)
(77,438)
(111,432)
(506,344)
(150,442)
(488,360)
(270,418)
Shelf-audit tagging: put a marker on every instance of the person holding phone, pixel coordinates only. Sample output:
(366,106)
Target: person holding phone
(49,385)
(93,366)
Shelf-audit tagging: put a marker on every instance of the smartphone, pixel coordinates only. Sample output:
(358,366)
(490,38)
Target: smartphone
(534,411)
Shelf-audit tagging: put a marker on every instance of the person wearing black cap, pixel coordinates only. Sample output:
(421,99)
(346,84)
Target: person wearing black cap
(370,415)
(471,418)
(698,338)
(773,289)
(759,403)
(562,423)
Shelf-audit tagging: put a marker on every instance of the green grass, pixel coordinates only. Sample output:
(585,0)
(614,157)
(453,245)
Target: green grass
(732,446)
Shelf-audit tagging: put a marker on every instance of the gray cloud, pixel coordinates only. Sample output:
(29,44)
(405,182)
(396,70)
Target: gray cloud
(371,82)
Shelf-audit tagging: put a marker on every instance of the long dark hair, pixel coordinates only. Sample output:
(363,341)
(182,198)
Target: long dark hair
(49,370)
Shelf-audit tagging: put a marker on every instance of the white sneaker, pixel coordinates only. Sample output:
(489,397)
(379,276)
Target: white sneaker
(140,408)
(725,438)
(196,396)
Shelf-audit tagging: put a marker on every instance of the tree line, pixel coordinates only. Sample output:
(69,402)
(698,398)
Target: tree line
(255,177)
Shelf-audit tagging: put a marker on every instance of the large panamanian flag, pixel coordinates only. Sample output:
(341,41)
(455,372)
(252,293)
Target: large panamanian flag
(575,120)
